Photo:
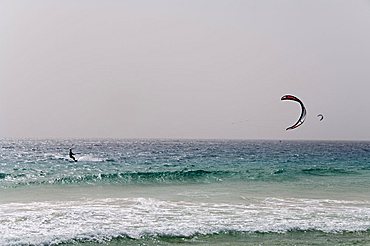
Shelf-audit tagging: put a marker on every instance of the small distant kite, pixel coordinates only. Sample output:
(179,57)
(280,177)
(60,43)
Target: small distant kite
(320,116)
(302,117)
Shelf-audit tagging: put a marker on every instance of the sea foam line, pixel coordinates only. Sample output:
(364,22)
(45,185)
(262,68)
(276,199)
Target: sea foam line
(100,220)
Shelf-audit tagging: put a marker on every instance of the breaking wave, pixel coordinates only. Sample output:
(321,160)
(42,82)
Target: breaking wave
(101,220)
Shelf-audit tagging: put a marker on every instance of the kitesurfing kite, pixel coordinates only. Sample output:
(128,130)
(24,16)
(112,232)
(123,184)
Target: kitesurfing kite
(321,116)
(302,117)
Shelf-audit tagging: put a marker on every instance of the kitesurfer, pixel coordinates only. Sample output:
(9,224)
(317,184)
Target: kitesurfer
(71,155)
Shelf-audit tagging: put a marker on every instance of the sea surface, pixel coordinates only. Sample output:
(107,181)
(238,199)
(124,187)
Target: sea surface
(184,192)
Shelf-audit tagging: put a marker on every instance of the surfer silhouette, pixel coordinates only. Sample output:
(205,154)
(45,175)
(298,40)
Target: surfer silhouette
(71,155)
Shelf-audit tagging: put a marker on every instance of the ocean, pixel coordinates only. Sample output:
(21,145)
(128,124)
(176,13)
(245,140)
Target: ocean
(184,192)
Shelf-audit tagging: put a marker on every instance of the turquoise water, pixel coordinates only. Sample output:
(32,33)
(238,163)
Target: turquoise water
(169,192)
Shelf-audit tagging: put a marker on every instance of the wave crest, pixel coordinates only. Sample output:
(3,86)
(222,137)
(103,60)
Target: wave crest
(148,177)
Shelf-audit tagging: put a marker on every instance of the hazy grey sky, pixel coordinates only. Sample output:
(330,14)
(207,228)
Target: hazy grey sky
(184,68)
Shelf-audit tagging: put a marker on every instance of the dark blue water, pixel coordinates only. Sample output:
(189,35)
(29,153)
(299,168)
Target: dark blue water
(28,162)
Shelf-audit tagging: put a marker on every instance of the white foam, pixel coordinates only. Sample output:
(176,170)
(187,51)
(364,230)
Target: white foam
(86,158)
(103,219)
(90,158)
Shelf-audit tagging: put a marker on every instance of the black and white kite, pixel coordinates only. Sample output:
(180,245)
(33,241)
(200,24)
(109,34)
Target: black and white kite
(302,117)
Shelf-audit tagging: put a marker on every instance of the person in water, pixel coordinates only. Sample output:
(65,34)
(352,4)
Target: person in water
(71,155)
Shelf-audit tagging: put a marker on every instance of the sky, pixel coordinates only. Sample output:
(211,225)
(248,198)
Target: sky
(203,69)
